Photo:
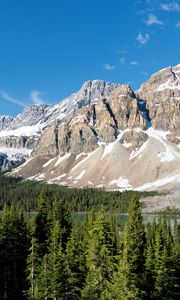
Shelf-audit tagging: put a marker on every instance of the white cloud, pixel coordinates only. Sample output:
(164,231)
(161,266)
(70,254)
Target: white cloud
(170,6)
(178,24)
(153,20)
(143,39)
(36,97)
(145,73)
(11,99)
(108,67)
(134,63)
(122,60)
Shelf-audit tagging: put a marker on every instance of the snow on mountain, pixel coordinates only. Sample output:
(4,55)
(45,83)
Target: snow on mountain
(22,131)
(5,122)
(32,121)
(104,135)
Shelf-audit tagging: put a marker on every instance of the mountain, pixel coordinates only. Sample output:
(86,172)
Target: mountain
(105,135)
(20,135)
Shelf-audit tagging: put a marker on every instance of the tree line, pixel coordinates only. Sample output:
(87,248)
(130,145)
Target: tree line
(45,255)
(25,193)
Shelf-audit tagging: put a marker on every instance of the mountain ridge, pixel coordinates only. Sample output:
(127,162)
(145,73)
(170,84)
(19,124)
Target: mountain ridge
(92,120)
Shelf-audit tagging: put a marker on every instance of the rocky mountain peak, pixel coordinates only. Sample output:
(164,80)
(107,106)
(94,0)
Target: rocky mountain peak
(30,116)
(162,93)
(96,89)
(165,79)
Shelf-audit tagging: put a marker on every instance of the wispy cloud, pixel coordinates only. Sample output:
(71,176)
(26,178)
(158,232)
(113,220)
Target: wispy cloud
(121,51)
(178,24)
(143,39)
(153,20)
(4,95)
(108,67)
(170,6)
(36,97)
(134,63)
(145,73)
(122,60)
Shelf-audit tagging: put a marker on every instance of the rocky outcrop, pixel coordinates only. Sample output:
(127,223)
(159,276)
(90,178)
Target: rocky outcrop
(7,164)
(19,142)
(5,122)
(30,116)
(92,124)
(162,92)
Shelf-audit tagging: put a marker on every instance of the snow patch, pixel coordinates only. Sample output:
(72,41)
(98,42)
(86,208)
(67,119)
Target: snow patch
(159,182)
(80,175)
(48,162)
(127,145)
(168,85)
(121,182)
(90,183)
(23,131)
(61,158)
(59,177)
(10,152)
(108,149)
(167,155)
(83,160)
(139,151)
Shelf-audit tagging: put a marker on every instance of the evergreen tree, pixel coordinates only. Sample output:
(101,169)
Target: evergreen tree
(52,280)
(33,267)
(129,279)
(176,261)
(41,232)
(76,269)
(13,253)
(62,214)
(99,260)
(149,260)
(163,261)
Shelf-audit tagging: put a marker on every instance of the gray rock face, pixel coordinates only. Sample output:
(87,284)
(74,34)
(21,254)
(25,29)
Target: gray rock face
(18,142)
(30,116)
(90,92)
(100,121)
(162,92)
(5,122)
(7,164)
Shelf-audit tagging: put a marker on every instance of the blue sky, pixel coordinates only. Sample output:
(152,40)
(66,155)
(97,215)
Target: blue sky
(50,47)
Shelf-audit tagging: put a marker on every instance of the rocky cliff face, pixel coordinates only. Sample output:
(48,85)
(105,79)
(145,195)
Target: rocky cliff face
(162,92)
(99,122)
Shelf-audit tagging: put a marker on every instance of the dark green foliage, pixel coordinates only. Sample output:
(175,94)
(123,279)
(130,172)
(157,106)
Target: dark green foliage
(13,253)
(62,214)
(26,193)
(76,262)
(129,279)
(45,255)
(99,259)
(41,224)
